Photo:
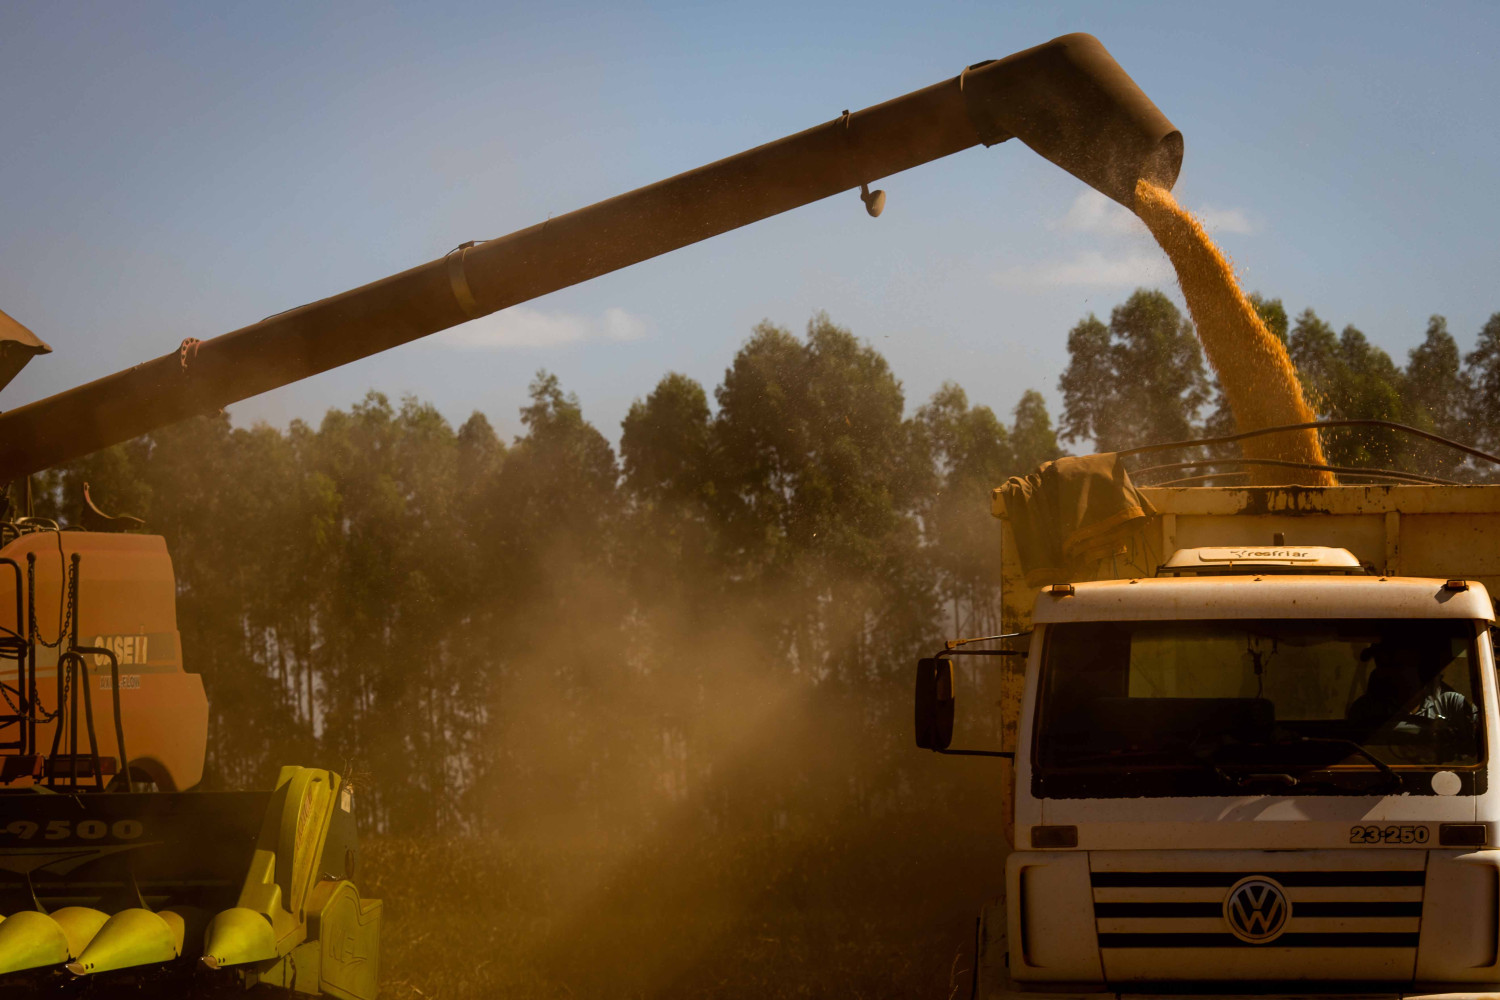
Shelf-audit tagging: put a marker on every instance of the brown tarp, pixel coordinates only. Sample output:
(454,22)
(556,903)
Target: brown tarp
(1069,513)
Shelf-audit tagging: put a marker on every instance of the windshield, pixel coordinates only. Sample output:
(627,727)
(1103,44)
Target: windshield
(1201,707)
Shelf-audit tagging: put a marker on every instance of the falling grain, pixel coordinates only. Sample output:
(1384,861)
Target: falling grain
(1256,374)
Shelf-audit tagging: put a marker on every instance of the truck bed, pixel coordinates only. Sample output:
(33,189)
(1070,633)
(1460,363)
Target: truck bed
(1432,531)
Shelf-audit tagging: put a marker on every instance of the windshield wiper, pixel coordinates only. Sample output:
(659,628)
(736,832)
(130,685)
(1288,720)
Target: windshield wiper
(1392,779)
(1389,778)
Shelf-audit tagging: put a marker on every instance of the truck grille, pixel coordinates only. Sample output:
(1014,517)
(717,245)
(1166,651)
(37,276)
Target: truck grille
(1303,911)
(1271,909)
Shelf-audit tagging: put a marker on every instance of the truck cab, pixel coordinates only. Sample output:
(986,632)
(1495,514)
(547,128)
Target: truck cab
(1254,769)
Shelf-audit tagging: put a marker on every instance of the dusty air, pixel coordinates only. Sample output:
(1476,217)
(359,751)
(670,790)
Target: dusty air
(860,674)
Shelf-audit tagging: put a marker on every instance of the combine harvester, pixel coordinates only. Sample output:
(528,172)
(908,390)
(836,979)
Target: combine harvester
(111,868)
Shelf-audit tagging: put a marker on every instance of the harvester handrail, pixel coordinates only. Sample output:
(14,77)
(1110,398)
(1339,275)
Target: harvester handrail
(1185,480)
(77,668)
(25,678)
(1314,425)
(1349,470)
(114,676)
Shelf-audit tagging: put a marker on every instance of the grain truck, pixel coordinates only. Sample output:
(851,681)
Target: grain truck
(1248,746)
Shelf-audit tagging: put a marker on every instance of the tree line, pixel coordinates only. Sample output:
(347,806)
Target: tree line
(483,630)
(716,619)
(1141,379)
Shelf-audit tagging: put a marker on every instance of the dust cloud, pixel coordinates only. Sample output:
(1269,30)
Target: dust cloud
(707,816)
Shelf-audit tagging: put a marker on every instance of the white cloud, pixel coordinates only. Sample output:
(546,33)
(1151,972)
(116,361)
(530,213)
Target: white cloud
(522,326)
(1226,220)
(621,325)
(1094,268)
(1092,212)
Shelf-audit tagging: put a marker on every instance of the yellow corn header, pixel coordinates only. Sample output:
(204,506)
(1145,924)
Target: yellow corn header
(153,886)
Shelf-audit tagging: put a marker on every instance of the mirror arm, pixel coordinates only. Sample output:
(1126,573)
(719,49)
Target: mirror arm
(955,643)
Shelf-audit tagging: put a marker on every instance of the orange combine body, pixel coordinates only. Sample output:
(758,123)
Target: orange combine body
(125,608)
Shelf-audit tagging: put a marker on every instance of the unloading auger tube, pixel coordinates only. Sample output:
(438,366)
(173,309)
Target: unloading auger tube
(1067,99)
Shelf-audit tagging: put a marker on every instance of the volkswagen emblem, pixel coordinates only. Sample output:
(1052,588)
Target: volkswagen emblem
(1257,909)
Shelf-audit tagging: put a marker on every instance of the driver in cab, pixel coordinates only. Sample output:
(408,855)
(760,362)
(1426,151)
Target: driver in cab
(1406,689)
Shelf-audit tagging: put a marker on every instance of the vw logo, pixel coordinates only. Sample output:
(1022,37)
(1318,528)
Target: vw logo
(1257,909)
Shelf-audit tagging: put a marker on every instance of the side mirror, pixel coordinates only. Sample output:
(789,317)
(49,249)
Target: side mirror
(934,703)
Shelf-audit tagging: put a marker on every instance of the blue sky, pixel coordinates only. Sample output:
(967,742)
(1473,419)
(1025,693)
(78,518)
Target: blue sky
(183,170)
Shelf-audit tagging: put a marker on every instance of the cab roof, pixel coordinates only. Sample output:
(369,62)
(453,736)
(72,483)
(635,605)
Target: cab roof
(1300,559)
(1263,595)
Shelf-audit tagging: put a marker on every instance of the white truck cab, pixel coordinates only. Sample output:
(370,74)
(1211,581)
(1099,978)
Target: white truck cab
(1254,769)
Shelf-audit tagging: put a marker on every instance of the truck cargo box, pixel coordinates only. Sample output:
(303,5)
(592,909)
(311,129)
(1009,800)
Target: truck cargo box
(1424,531)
